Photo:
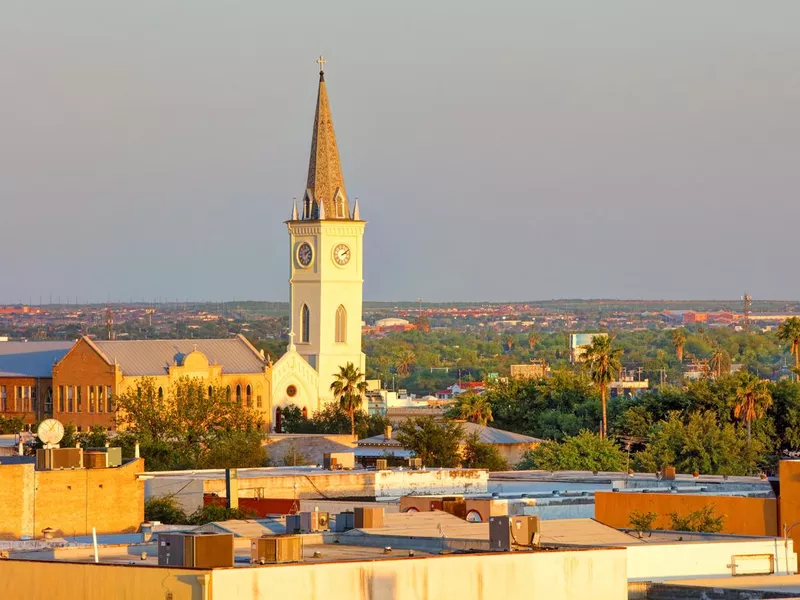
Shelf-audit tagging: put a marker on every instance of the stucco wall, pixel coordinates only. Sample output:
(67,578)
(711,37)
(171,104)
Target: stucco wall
(392,484)
(711,558)
(568,575)
(77,581)
(745,516)
(789,474)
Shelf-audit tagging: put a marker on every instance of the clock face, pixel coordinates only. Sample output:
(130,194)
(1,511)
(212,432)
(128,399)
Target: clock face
(341,254)
(304,254)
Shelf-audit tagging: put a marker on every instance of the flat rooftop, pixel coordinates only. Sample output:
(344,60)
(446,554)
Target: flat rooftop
(255,473)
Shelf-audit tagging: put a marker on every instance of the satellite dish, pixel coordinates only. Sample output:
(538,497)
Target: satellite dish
(50,431)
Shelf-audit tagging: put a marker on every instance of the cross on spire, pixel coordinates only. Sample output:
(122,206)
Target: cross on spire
(321,62)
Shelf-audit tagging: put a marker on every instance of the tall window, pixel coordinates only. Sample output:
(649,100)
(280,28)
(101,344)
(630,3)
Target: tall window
(34,399)
(48,401)
(109,400)
(61,398)
(3,398)
(70,398)
(78,399)
(90,391)
(305,324)
(341,325)
(101,398)
(238,394)
(340,211)
(249,396)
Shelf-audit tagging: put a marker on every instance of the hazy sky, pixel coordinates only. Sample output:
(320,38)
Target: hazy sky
(500,150)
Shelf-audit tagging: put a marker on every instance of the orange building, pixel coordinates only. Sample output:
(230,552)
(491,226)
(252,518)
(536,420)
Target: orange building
(88,378)
(26,380)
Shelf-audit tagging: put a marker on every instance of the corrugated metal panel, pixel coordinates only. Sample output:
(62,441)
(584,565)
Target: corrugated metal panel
(155,357)
(31,359)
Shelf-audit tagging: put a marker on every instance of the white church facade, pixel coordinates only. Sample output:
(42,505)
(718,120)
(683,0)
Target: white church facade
(325,278)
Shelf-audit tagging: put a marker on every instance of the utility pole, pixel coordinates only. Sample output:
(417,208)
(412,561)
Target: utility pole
(748,303)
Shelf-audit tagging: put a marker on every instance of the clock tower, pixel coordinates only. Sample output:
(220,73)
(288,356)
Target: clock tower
(325,253)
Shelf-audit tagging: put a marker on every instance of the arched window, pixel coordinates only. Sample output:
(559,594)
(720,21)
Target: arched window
(249,395)
(210,392)
(278,420)
(238,394)
(160,393)
(341,213)
(228,393)
(305,324)
(341,325)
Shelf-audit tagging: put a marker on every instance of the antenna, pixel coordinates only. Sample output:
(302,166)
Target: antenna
(109,323)
(748,303)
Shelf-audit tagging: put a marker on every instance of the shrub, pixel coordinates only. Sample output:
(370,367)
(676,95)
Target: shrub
(701,521)
(165,510)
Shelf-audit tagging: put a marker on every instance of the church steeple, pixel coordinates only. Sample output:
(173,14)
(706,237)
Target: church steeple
(325,186)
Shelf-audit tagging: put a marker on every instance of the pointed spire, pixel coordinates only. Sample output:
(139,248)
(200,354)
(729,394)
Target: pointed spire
(325,180)
(294,209)
(356,212)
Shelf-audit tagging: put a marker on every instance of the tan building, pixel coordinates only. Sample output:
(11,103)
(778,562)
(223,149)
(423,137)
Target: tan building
(26,384)
(92,373)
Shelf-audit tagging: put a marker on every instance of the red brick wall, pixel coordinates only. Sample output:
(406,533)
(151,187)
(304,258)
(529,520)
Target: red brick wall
(83,367)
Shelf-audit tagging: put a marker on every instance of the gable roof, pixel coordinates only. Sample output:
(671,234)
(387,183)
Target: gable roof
(141,358)
(487,435)
(31,359)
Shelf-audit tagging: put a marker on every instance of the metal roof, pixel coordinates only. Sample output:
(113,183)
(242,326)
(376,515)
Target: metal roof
(140,358)
(31,359)
(487,435)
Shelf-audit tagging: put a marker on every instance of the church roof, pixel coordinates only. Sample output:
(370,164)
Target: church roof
(487,435)
(140,358)
(325,180)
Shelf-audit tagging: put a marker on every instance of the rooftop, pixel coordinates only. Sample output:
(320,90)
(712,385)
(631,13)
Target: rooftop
(31,359)
(487,435)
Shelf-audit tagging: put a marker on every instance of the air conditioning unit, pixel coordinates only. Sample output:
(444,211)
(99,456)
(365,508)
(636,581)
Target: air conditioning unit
(368,517)
(312,522)
(345,521)
(415,463)
(293,524)
(203,550)
(94,460)
(48,459)
(276,549)
(337,461)
(113,455)
(381,464)
(509,533)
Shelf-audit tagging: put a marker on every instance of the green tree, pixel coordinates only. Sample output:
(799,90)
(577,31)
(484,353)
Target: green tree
(789,331)
(583,452)
(475,408)
(437,444)
(753,398)
(193,425)
(700,442)
(165,510)
(701,521)
(405,362)
(533,339)
(642,522)
(604,366)
(720,362)
(678,339)
(10,425)
(479,455)
(349,388)
(96,437)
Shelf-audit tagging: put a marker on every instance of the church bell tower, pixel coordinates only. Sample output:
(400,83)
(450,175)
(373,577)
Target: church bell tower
(326,267)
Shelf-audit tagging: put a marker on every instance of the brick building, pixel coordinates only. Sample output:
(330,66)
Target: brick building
(92,373)
(26,379)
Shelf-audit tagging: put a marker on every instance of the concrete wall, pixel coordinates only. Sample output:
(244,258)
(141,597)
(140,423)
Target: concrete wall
(712,558)
(70,501)
(789,475)
(744,516)
(564,575)
(319,484)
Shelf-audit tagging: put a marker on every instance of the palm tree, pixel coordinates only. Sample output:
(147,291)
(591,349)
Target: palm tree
(533,339)
(604,367)
(789,331)
(679,341)
(720,362)
(509,342)
(753,398)
(405,362)
(349,387)
(475,408)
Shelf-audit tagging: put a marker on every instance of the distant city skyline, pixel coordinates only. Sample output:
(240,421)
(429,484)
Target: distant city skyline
(541,150)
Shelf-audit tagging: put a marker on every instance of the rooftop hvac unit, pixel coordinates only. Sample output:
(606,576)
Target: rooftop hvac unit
(313,521)
(113,455)
(415,463)
(293,524)
(94,460)
(507,533)
(368,517)
(276,549)
(59,458)
(457,508)
(337,461)
(204,550)
(381,464)
(345,521)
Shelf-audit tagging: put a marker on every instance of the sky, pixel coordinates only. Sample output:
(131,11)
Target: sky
(500,151)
